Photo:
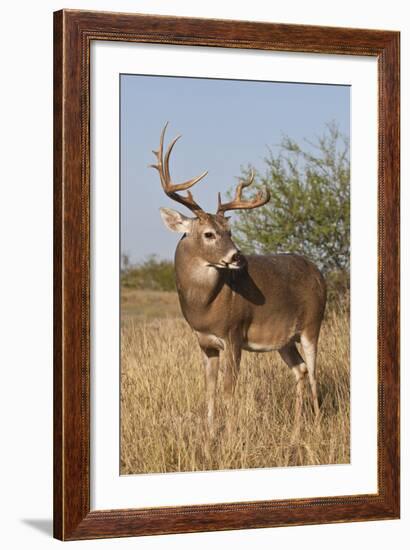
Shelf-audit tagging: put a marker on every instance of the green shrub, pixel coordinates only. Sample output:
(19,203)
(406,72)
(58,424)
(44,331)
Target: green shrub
(150,274)
(309,210)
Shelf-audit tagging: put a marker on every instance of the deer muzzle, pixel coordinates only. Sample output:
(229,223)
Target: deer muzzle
(234,260)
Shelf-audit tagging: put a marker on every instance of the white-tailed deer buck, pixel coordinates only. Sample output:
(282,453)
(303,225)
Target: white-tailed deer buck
(235,302)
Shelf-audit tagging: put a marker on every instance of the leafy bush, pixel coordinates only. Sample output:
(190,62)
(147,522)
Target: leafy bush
(151,274)
(309,210)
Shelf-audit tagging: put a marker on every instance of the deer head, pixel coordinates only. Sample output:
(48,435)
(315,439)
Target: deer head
(208,234)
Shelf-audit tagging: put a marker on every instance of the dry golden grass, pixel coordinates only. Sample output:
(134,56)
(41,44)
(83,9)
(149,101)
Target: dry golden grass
(163,425)
(148,304)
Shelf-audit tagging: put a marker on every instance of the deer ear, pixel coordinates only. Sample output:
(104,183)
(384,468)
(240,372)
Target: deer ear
(175,221)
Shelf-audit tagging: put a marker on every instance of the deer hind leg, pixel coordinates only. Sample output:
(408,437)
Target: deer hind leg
(294,360)
(309,345)
(211,367)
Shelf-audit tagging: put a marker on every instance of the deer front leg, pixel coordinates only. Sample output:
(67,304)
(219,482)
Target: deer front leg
(211,367)
(232,357)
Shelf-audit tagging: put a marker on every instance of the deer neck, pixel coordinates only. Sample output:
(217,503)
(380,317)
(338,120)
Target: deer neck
(199,285)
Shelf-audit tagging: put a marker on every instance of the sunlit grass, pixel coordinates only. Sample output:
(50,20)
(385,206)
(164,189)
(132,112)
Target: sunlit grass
(163,425)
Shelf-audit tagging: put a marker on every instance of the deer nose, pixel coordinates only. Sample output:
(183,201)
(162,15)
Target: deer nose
(236,257)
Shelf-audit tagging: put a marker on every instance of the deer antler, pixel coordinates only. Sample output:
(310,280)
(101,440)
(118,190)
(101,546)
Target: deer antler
(171,189)
(238,203)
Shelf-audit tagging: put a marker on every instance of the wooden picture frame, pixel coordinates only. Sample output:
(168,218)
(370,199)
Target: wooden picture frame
(73,33)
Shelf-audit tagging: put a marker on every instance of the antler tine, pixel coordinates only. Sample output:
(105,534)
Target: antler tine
(186,184)
(170,188)
(159,155)
(261,198)
(249,181)
(167,155)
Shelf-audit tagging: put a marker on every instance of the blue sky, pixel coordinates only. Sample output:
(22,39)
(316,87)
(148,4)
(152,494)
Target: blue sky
(225,124)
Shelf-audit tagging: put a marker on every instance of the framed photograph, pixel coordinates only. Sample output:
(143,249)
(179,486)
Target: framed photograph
(226,308)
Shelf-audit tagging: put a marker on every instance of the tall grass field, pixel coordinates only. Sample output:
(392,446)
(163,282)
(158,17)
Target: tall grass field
(163,426)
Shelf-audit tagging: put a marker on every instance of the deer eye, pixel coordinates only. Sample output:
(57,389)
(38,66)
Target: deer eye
(209,235)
